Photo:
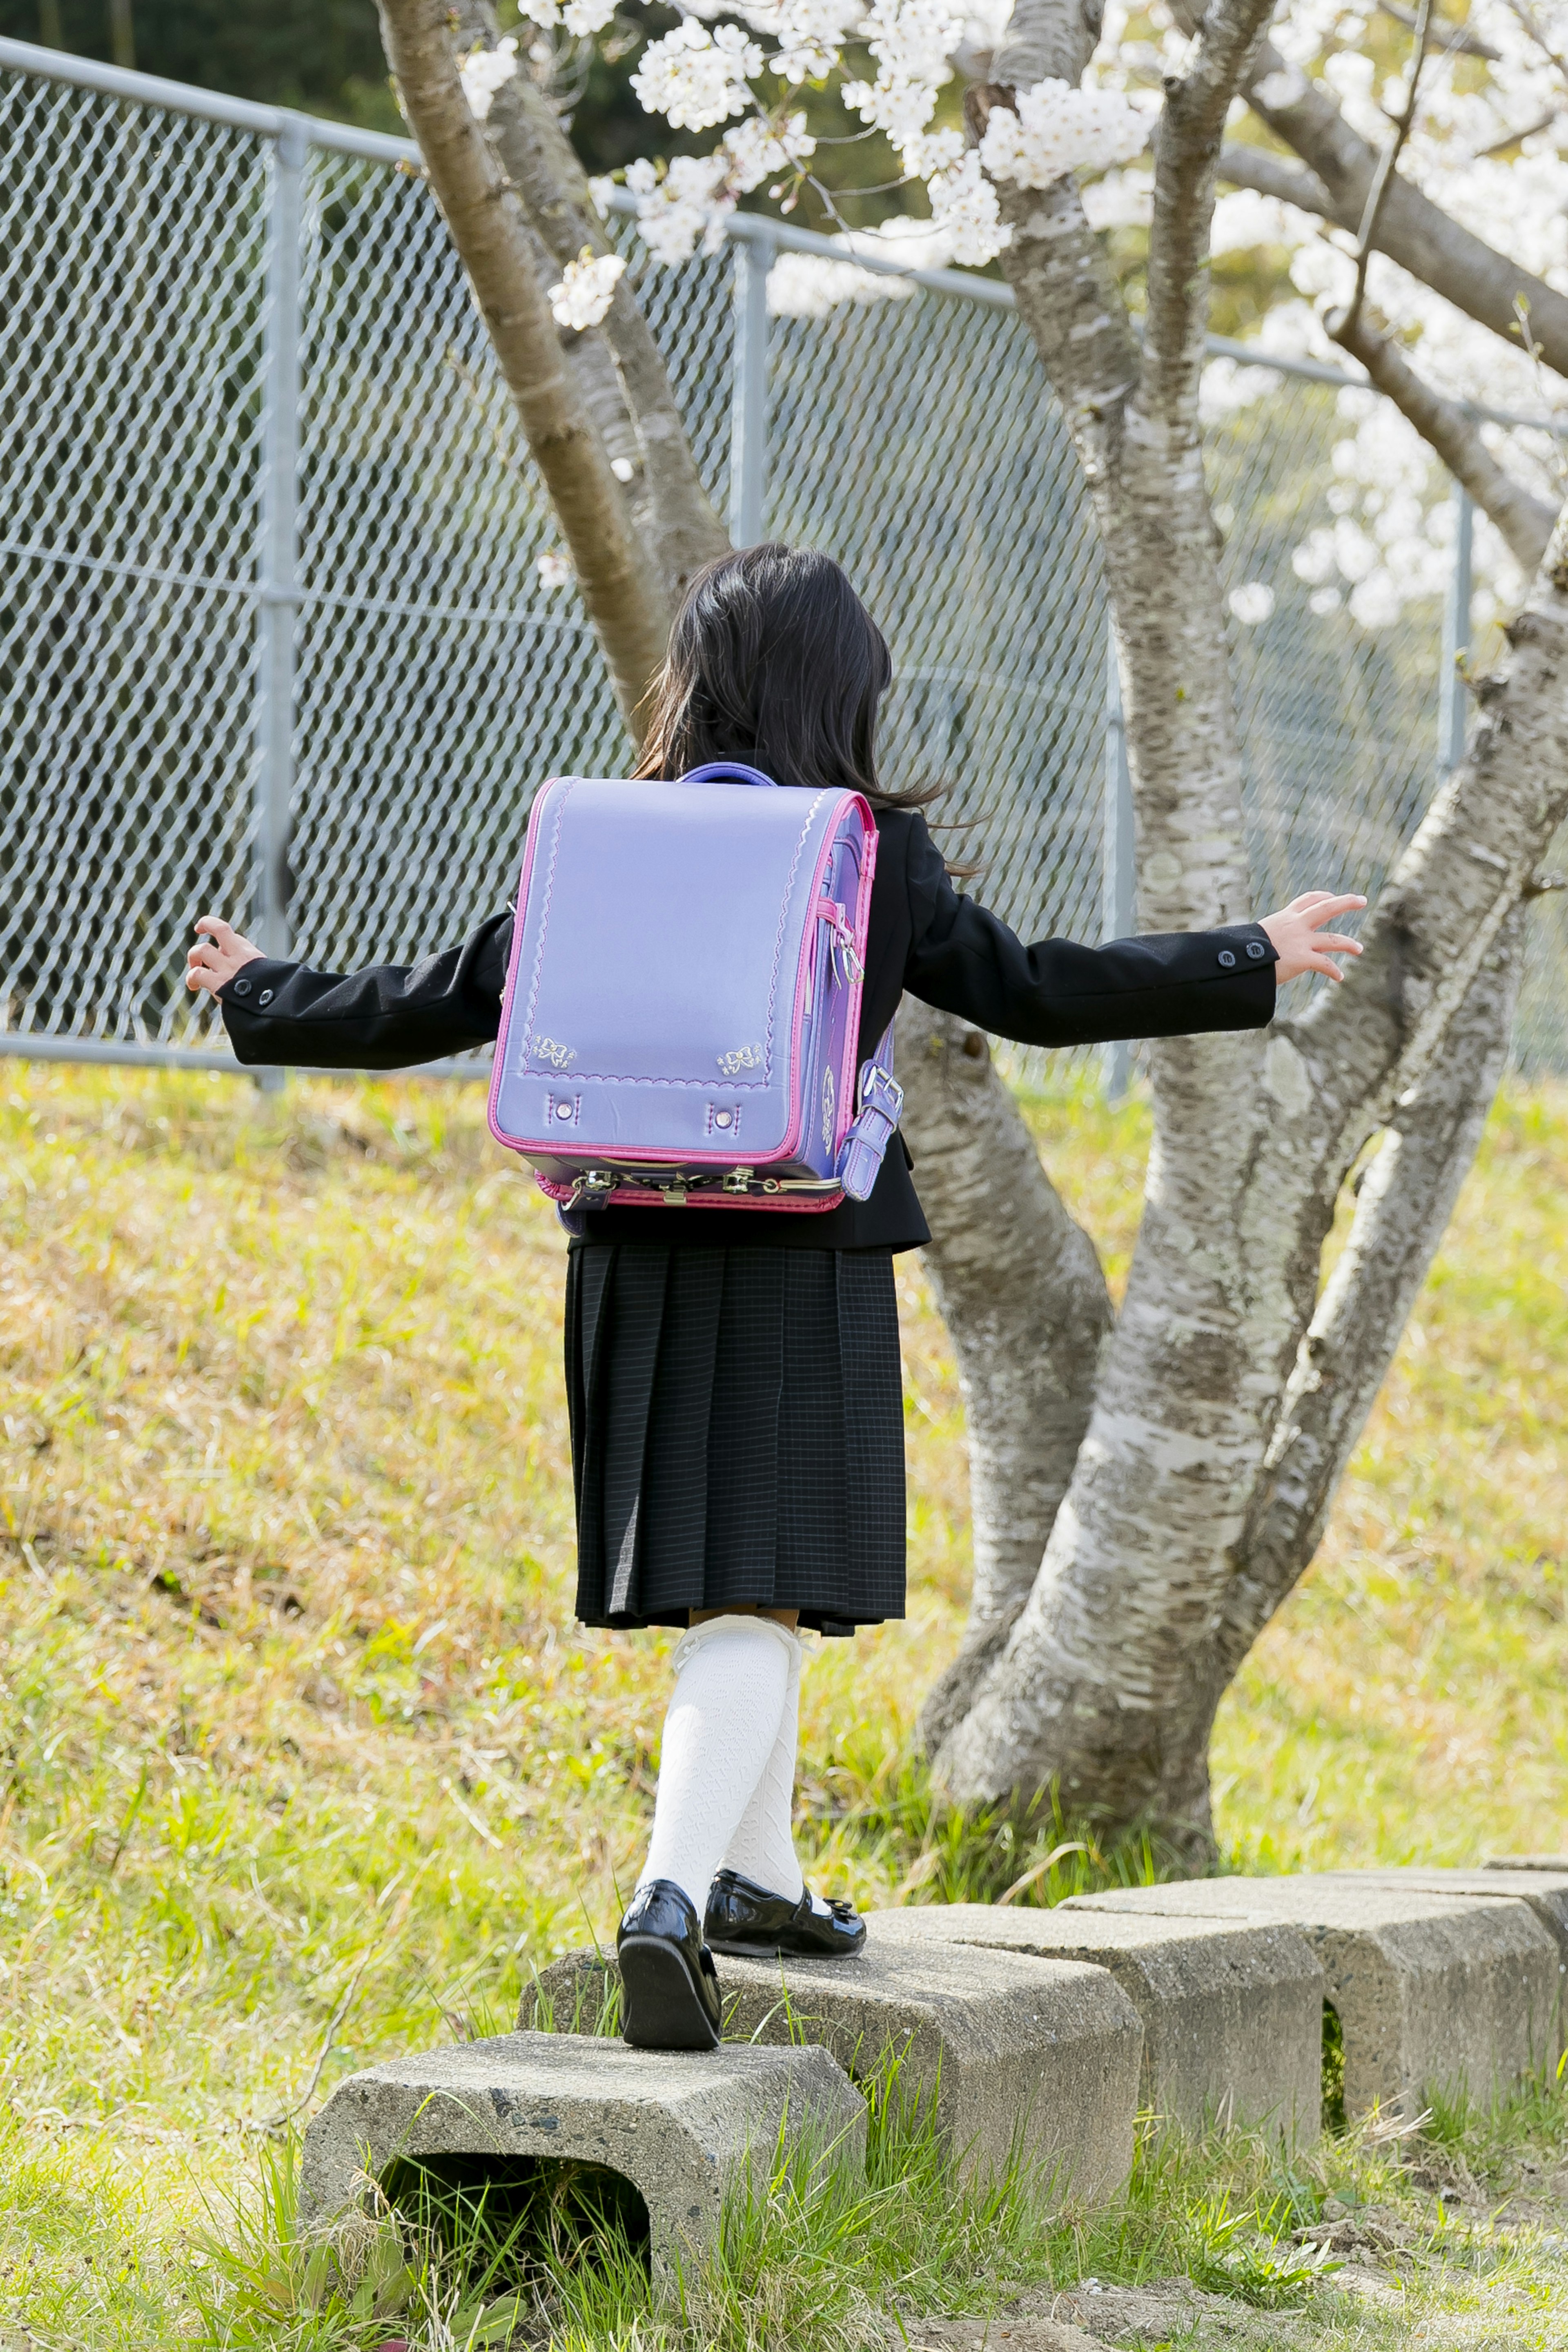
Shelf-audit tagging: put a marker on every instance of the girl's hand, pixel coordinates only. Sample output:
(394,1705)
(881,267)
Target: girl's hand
(1296,933)
(214,959)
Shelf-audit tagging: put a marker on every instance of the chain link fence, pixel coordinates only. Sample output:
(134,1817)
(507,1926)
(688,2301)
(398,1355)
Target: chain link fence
(274,638)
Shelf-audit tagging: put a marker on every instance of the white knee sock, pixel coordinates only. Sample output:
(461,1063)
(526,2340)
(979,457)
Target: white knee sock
(732,1676)
(763,1848)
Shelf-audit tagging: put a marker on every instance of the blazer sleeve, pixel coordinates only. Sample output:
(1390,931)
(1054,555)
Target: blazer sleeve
(965,961)
(382,1019)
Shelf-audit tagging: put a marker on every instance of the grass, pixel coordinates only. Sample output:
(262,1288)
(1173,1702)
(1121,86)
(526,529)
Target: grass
(303,1759)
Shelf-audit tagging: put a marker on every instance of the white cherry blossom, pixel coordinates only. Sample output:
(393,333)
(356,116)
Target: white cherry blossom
(684,210)
(695,78)
(587,290)
(554,571)
(484,71)
(759,150)
(1056,129)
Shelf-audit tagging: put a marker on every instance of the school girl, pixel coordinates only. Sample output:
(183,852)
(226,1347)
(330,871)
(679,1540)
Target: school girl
(733,1380)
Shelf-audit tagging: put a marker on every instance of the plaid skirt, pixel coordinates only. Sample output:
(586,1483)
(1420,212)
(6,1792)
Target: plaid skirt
(737,1432)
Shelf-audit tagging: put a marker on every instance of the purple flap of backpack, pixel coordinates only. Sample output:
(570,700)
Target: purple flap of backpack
(658,978)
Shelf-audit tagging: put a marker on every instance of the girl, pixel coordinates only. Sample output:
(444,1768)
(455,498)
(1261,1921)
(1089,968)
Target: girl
(734,1378)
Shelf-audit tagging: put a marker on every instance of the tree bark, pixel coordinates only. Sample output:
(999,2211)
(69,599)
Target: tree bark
(1022,1294)
(1524,521)
(1413,1031)
(681,529)
(1412,230)
(491,234)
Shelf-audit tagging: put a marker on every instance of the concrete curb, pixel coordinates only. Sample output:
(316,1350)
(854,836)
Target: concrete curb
(684,2128)
(1037,2057)
(1544,1892)
(1232,2011)
(1433,1992)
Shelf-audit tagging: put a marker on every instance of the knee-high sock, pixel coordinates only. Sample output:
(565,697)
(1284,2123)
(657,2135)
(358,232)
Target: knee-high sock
(763,1848)
(732,1677)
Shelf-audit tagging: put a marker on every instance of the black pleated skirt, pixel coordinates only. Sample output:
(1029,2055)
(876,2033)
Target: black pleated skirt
(737,1432)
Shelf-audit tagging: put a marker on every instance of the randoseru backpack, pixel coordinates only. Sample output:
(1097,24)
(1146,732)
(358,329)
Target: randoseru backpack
(683,1005)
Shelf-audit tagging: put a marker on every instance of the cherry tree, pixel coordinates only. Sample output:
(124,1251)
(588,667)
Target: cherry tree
(1149,1485)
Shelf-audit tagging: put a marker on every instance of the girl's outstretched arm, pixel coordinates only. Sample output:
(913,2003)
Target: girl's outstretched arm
(385,1018)
(967,961)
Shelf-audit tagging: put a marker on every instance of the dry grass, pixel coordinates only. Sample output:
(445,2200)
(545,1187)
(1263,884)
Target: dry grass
(293,1706)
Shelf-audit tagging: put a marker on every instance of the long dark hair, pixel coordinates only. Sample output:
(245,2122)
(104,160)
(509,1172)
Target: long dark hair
(774,660)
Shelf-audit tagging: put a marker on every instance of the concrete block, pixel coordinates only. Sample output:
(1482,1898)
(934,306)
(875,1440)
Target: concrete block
(1011,2049)
(1526,1862)
(682,2127)
(1545,1891)
(1232,2013)
(1432,1990)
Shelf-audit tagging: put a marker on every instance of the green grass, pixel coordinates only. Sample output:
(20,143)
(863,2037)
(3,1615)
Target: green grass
(302,1758)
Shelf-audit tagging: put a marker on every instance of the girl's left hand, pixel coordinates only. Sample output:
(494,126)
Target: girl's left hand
(214,960)
(1303,946)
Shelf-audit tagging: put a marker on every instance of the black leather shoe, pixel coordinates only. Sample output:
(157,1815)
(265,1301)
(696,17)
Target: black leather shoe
(746,1919)
(669,1987)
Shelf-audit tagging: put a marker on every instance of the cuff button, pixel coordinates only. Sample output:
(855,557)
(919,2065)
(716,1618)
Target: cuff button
(264,997)
(1227,959)
(1254,948)
(242,988)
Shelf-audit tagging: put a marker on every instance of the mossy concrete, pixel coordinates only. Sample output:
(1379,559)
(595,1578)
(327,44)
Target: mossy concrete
(1232,2010)
(1018,2056)
(1443,1992)
(684,2128)
(1545,1891)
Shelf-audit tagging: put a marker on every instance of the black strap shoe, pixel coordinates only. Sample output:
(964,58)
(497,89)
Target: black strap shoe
(746,1919)
(669,1987)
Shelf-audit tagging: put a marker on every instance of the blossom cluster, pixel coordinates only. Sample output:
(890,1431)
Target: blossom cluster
(1058,129)
(484,71)
(587,290)
(695,78)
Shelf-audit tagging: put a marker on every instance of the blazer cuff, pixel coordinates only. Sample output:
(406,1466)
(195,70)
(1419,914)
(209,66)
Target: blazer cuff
(1242,946)
(246,1002)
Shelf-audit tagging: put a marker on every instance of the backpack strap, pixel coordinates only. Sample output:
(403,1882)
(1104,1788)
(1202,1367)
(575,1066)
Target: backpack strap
(882,1103)
(727,772)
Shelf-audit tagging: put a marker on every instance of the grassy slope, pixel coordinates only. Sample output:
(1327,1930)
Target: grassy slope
(293,1710)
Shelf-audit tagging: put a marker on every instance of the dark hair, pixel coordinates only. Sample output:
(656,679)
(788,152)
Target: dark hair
(774,660)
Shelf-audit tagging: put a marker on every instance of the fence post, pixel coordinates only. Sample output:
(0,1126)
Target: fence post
(1117,915)
(753,258)
(278,546)
(1453,710)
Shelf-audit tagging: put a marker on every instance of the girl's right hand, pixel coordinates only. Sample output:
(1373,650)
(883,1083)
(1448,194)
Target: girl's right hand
(214,959)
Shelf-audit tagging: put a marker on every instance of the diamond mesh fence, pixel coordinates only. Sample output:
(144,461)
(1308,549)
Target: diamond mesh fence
(436,679)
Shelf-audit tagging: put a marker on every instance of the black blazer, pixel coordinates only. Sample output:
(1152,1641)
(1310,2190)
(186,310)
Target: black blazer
(924,937)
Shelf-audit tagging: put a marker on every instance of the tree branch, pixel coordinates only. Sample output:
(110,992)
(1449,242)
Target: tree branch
(1524,521)
(490,234)
(1402,1212)
(1024,1298)
(1186,159)
(1387,165)
(1411,229)
(1272,176)
(541,165)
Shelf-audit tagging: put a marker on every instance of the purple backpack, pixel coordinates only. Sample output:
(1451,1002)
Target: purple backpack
(683,1005)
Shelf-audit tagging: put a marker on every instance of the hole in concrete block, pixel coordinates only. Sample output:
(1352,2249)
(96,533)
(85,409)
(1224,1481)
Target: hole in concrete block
(506,2219)
(1333,2071)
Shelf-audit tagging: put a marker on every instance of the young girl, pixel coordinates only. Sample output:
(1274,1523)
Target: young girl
(734,1378)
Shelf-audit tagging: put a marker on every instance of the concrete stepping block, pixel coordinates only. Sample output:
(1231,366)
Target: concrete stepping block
(1232,2011)
(682,2126)
(1545,1891)
(1432,1990)
(1010,2048)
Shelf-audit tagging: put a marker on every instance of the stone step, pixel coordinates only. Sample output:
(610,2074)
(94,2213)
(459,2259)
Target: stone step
(1232,2011)
(681,2126)
(1014,2051)
(1442,1991)
(1545,1891)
